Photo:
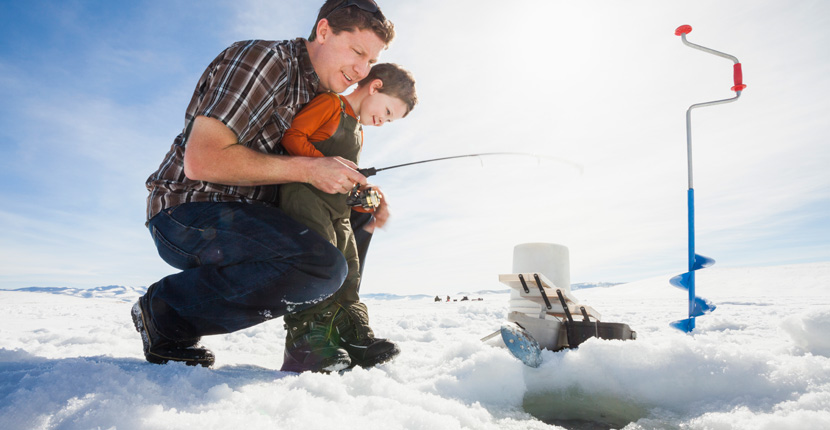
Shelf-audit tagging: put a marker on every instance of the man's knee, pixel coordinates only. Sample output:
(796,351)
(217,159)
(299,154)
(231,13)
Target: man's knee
(322,266)
(338,268)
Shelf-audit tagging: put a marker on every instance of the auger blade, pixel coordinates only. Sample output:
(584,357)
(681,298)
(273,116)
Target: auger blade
(702,307)
(702,262)
(698,306)
(681,281)
(685,325)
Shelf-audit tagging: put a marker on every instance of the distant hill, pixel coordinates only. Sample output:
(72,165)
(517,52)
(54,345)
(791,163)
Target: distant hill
(384,296)
(126,294)
(130,294)
(579,286)
(584,285)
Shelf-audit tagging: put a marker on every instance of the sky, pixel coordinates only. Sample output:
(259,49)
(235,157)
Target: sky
(93,94)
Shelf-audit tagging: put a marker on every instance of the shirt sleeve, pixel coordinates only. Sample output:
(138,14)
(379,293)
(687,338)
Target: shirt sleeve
(316,122)
(239,87)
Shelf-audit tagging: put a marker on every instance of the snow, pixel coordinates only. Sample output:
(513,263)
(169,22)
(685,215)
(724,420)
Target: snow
(70,359)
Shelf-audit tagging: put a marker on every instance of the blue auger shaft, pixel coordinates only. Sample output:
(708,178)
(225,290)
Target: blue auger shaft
(690,195)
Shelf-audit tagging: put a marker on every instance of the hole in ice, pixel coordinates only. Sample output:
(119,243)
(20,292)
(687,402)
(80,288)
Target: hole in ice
(574,409)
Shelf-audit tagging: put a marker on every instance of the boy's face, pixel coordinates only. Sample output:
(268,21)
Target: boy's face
(378,108)
(345,58)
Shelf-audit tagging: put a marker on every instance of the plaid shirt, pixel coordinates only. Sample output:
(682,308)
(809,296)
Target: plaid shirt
(255,88)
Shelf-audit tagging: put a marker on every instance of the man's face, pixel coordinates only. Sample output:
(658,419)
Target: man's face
(345,58)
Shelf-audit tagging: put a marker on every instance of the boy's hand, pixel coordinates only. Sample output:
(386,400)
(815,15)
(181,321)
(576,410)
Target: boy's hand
(380,214)
(334,175)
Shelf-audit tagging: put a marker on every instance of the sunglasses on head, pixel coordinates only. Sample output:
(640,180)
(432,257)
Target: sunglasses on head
(367,5)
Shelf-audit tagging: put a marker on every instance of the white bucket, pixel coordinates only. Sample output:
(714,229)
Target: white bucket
(549,259)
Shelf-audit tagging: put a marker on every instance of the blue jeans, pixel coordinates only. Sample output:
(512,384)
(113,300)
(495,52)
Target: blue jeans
(241,264)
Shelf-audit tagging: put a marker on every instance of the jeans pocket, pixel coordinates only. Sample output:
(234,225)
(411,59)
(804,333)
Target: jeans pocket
(172,254)
(193,215)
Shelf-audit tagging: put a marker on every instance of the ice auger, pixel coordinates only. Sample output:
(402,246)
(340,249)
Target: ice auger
(697,305)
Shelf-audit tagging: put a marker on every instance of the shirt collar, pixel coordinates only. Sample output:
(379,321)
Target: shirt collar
(306,68)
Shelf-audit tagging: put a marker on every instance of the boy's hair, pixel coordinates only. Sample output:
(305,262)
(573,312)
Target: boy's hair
(352,17)
(397,82)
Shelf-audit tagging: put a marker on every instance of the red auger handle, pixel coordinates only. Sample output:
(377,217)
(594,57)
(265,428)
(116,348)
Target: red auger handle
(683,29)
(739,78)
(738,74)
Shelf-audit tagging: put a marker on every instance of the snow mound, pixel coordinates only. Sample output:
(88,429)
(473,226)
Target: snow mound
(810,331)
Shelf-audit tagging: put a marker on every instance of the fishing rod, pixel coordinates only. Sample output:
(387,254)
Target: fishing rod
(370,198)
(371,171)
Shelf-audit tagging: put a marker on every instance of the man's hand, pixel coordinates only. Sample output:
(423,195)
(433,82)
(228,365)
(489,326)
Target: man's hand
(333,175)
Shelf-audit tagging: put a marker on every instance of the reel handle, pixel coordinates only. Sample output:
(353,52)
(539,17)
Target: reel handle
(368,199)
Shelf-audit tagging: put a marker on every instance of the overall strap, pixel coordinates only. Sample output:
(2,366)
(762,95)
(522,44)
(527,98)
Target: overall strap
(342,105)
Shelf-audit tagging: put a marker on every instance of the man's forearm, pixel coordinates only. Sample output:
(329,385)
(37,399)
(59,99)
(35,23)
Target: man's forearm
(240,165)
(212,154)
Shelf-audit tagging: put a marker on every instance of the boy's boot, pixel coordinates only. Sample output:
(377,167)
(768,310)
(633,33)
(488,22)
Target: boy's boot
(309,347)
(159,350)
(351,325)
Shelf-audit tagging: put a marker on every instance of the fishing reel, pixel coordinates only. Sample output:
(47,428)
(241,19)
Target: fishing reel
(368,199)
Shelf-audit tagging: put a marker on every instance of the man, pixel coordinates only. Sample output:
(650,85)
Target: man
(212,204)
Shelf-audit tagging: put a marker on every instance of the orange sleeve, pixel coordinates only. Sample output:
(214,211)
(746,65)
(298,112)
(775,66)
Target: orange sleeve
(317,121)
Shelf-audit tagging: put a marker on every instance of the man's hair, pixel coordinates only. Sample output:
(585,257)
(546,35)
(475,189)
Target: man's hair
(352,18)
(397,82)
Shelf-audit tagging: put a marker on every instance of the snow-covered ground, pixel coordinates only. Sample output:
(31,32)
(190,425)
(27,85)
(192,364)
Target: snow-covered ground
(70,359)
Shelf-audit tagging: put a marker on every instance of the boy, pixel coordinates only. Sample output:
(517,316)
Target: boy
(331,125)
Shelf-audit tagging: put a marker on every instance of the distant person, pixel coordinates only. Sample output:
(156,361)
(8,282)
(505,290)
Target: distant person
(331,125)
(213,204)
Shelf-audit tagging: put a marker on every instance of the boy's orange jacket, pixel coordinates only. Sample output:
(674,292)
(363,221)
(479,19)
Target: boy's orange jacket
(316,122)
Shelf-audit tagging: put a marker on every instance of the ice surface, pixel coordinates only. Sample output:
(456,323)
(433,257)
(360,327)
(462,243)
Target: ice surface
(72,360)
